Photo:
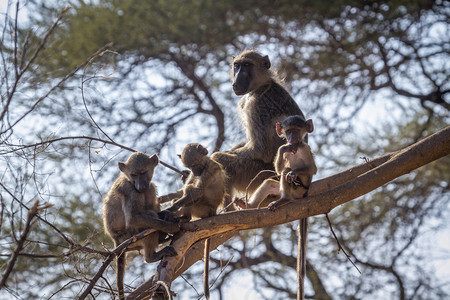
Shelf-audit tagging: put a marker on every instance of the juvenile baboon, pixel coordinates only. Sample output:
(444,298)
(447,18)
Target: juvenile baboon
(130,207)
(264,102)
(203,193)
(295,165)
(204,189)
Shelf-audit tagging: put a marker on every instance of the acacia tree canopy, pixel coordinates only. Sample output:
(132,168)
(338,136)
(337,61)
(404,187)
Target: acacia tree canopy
(153,76)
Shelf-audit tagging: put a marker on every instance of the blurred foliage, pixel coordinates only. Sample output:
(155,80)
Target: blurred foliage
(374,76)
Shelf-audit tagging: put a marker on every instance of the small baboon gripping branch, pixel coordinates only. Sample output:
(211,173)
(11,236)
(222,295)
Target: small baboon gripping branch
(324,195)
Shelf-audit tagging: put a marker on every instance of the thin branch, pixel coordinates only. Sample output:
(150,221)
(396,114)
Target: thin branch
(118,250)
(31,214)
(15,42)
(339,244)
(85,104)
(36,103)
(46,143)
(66,238)
(38,50)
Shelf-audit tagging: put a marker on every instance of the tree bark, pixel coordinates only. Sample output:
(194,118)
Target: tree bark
(324,195)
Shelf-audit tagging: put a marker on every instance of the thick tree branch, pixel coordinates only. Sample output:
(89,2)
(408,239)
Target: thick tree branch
(326,194)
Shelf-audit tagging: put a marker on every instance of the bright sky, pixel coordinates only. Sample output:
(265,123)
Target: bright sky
(242,288)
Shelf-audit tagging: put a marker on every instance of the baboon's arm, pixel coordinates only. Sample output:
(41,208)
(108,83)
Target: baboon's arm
(192,195)
(149,219)
(170,197)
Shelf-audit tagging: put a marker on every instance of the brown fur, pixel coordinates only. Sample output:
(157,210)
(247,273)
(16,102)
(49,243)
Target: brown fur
(130,207)
(203,193)
(205,187)
(295,165)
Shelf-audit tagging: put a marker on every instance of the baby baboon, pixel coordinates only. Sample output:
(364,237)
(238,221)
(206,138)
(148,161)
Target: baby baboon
(295,165)
(204,189)
(130,207)
(294,162)
(203,193)
(264,102)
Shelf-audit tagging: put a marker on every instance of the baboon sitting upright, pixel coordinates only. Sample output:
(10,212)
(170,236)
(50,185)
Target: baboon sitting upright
(203,193)
(264,103)
(130,206)
(204,189)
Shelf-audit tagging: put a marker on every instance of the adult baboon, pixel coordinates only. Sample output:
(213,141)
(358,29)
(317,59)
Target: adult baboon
(264,103)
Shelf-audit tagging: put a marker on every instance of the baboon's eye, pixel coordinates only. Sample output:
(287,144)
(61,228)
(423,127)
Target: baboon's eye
(144,173)
(133,175)
(246,64)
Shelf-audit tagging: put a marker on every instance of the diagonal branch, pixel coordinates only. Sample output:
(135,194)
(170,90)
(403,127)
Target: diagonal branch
(326,194)
(20,243)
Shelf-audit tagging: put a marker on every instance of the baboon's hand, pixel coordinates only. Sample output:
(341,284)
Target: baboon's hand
(185,175)
(277,204)
(168,216)
(239,202)
(291,176)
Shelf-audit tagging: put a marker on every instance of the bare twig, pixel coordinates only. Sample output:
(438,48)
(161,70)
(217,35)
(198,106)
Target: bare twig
(98,53)
(31,214)
(339,244)
(85,104)
(30,62)
(118,250)
(253,180)
(66,238)
(46,143)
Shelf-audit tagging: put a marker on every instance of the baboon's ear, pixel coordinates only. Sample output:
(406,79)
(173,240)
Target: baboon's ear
(202,149)
(122,167)
(309,126)
(266,62)
(279,129)
(154,159)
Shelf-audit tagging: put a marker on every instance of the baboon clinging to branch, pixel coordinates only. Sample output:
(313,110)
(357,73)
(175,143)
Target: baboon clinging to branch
(295,165)
(130,206)
(264,102)
(203,192)
(204,189)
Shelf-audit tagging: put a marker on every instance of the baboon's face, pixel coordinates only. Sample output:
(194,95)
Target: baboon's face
(294,135)
(242,76)
(141,180)
(139,170)
(294,129)
(197,169)
(249,71)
